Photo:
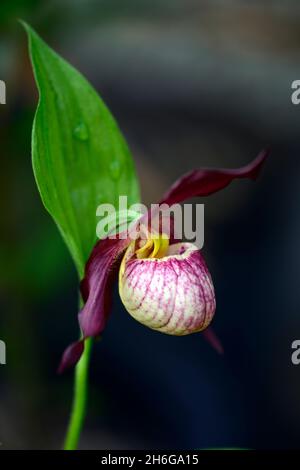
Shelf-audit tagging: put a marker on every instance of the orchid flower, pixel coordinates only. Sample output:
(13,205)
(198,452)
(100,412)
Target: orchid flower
(164,284)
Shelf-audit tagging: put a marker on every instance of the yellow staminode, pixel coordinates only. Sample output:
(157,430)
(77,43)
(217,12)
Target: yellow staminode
(156,247)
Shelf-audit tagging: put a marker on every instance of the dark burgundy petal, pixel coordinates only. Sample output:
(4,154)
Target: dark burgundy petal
(96,291)
(203,182)
(71,356)
(96,286)
(213,340)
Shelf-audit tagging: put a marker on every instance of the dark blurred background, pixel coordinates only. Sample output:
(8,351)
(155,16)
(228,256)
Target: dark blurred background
(192,83)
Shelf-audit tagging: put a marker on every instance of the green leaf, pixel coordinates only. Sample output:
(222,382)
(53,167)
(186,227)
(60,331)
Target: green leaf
(80,158)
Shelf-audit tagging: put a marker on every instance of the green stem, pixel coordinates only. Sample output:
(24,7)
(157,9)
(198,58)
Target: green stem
(80,398)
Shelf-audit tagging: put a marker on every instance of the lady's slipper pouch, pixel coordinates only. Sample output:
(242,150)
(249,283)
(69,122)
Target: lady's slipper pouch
(170,291)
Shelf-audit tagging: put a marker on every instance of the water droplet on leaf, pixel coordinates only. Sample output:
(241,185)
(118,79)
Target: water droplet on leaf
(81,132)
(115,169)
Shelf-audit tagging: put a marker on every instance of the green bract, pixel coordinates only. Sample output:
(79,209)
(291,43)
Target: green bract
(80,158)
